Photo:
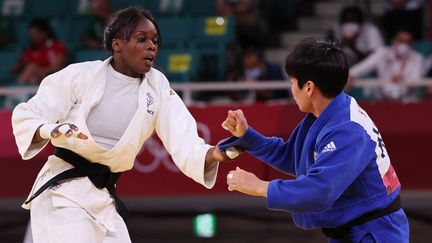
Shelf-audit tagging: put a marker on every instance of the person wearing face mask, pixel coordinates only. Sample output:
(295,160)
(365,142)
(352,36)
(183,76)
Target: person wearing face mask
(255,68)
(355,37)
(395,65)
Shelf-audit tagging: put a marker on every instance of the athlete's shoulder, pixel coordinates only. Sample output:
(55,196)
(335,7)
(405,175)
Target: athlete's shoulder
(86,66)
(157,79)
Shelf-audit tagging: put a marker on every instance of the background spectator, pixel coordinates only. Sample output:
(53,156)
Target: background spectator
(251,28)
(356,37)
(396,65)
(44,56)
(93,35)
(255,68)
(406,14)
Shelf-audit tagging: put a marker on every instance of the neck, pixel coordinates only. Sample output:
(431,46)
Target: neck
(120,67)
(319,104)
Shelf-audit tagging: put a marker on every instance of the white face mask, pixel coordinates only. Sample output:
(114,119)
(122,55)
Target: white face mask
(349,29)
(253,73)
(401,49)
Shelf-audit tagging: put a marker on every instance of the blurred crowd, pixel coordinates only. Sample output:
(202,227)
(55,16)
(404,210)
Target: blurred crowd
(384,47)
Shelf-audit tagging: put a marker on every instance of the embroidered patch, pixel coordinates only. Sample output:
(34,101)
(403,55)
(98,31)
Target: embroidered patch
(171,92)
(150,102)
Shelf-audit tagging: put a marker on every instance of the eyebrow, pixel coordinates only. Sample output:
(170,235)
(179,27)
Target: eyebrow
(143,32)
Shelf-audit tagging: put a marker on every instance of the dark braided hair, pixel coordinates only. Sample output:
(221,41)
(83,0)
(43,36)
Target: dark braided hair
(124,22)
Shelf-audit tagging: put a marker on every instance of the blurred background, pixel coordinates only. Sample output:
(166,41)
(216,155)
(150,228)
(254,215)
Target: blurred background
(220,55)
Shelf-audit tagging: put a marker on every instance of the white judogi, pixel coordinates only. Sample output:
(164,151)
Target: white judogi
(68,96)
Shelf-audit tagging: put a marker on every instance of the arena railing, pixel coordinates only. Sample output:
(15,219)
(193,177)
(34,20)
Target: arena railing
(188,89)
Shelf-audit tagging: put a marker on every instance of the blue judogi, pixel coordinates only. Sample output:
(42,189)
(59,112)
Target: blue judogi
(342,171)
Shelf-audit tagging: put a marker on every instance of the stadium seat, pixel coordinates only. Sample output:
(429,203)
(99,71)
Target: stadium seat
(21,28)
(7,61)
(200,8)
(277,8)
(212,34)
(47,8)
(126,3)
(79,25)
(12,8)
(62,29)
(176,32)
(424,47)
(168,8)
(179,65)
(214,29)
(90,55)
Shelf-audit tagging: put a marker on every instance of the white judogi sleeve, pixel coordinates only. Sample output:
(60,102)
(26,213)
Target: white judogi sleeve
(177,129)
(52,102)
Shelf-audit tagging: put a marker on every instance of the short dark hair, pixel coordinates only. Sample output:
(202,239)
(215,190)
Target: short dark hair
(44,26)
(321,62)
(124,22)
(351,14)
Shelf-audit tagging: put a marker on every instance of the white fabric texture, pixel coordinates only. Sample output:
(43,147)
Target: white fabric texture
(386,64)
(68,96)
(108,120)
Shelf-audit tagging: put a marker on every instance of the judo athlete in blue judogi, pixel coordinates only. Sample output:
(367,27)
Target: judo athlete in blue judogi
(345,183)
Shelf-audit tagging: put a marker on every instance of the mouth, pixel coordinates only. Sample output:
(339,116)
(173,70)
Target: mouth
(150,59)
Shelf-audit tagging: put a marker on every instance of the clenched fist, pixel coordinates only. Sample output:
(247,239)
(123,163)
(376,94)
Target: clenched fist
(247,183)
(236,123)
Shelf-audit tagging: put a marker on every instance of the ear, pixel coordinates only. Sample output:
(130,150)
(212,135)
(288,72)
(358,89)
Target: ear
(116,45)
(310,88)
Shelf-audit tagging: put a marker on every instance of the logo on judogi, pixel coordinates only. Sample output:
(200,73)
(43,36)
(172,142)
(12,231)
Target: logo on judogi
(150,102)
(329,147)
(171,92)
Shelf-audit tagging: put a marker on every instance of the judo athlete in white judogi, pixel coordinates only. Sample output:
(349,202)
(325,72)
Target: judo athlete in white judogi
(98,115)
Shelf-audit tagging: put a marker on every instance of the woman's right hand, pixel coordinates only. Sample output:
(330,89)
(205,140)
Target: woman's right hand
(236,123)
(51,131)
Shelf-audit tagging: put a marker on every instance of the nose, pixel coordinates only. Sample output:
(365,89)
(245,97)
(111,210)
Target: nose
(151,46)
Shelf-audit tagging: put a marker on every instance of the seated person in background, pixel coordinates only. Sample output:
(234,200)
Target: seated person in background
(44,56)
(355,37)
(396,65)
(93,36)
(251,28)
(407,14)
(255,68)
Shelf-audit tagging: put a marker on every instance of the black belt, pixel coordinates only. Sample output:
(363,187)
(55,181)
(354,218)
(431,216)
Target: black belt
(100,175)
(342,232)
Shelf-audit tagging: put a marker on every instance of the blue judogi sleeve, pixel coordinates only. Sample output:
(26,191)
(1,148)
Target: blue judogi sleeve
(335,168)
(274,151)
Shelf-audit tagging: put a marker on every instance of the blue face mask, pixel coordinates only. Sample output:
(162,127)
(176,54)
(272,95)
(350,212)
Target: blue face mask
(253,73)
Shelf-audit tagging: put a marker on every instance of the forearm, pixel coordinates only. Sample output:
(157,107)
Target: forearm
(214,155)
(37,137)
(209,158)
(262,188)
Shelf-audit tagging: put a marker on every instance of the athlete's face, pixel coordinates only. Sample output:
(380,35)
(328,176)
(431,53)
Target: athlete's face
(135,56)
(301,96)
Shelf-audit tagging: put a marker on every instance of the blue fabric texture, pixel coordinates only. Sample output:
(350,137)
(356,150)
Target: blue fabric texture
(337,162)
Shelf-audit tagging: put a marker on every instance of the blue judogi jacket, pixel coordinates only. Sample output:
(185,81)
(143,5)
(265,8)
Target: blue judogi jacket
(340,162)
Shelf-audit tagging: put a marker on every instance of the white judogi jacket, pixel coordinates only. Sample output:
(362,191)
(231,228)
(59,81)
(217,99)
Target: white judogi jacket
(70,94)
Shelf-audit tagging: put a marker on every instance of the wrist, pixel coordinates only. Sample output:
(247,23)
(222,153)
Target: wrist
(263,188)
(46,129)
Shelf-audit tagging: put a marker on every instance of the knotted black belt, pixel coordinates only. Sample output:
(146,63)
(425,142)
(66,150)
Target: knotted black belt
(100,175)
(342,232)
